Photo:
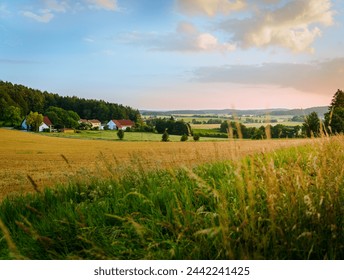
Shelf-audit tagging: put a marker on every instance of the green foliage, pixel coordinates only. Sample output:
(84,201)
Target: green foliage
(297,119)
(196,137)
(12,115)
(311,126)
(184,138)
(62,118)
(165,136)
(255,208)
(174,127)
(120,134)
(28,99)
(334,119)
(34,120)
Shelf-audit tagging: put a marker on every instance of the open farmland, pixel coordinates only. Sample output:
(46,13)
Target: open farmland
(50,160)
(285,204)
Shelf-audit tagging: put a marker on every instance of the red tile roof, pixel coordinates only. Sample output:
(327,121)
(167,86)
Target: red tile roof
(121,123)
(47,121)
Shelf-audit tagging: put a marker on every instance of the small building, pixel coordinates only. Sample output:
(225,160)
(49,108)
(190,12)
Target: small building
(46,124)
(95,123)
(120,124)
(83,121)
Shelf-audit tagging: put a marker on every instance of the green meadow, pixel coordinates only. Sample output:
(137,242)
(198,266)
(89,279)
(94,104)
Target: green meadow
(287,204)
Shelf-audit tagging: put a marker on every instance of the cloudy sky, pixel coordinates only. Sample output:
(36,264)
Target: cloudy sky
(177,54)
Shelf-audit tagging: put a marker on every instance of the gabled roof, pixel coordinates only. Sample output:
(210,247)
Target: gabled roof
(121,123)
(94,121)
(47,121)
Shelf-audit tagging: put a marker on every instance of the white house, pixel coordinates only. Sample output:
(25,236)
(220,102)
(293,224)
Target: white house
(120,124)
(46,124)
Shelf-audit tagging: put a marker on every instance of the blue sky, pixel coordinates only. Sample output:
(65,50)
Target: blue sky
(177,54)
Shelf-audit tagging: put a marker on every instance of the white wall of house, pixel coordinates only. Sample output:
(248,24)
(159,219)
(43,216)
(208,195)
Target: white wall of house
(42,127)
(112,125)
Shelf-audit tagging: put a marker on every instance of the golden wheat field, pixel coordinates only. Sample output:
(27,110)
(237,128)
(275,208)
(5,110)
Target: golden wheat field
(31,160)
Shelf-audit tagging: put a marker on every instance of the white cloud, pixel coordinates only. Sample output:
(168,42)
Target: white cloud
(186,38)
(294,26)
(44,16)
(317,77)
(209,7)
(56,6)
(104,4)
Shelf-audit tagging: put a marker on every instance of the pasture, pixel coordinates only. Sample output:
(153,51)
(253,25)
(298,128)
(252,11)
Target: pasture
(51,160)
(260,203)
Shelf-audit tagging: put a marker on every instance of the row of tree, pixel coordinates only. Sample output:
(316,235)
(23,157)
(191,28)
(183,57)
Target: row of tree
(17,101)
(334,119)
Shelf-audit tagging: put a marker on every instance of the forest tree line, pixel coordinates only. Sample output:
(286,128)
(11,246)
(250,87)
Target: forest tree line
(17,101)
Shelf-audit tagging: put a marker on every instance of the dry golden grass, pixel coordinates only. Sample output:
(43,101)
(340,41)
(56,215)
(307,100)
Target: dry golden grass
(31,160)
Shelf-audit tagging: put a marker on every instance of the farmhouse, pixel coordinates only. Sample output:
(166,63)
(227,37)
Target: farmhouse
(91,123)
(46,124)
(120,124)
(95,123)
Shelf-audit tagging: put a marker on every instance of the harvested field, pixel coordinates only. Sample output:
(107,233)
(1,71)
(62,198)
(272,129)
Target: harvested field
(30,160)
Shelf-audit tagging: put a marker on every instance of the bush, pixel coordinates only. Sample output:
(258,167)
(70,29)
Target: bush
(196,137)
(120,134)
(184,138)
(165,137)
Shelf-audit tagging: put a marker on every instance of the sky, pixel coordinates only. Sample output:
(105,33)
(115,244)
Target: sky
(177,54)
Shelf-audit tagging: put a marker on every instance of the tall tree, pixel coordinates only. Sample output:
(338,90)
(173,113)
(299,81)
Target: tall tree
(12,115)
(311,126)
(334,118)
(34,120)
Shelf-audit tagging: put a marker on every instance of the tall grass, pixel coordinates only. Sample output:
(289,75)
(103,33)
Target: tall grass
(288,204)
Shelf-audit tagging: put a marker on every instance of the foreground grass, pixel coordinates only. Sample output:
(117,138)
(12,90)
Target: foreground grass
(283,205)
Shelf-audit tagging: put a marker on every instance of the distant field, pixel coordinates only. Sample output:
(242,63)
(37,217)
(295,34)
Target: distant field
(52,160)
(286,123)
(128,136)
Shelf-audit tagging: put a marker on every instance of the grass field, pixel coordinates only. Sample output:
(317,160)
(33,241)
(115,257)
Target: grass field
(283,204)
(50,160)
(128,136)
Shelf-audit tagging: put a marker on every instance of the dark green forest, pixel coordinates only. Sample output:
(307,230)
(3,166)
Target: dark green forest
(16,101)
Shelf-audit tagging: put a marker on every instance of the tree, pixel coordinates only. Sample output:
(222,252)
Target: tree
(334,119)
(62,118)
(184,138)
(120,134)
(165,137)
(196,137)
(12,115)
(34,120)
(311,126)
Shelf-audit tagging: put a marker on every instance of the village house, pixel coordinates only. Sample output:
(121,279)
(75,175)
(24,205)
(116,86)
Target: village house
(46,125)
(95,124)
(120,124)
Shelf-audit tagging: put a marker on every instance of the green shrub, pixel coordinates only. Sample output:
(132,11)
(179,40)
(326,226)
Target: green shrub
(120,134)
(165,137)
(184,138)
(196,137)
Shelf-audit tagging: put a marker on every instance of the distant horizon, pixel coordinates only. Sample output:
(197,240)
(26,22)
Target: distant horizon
(236,109)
